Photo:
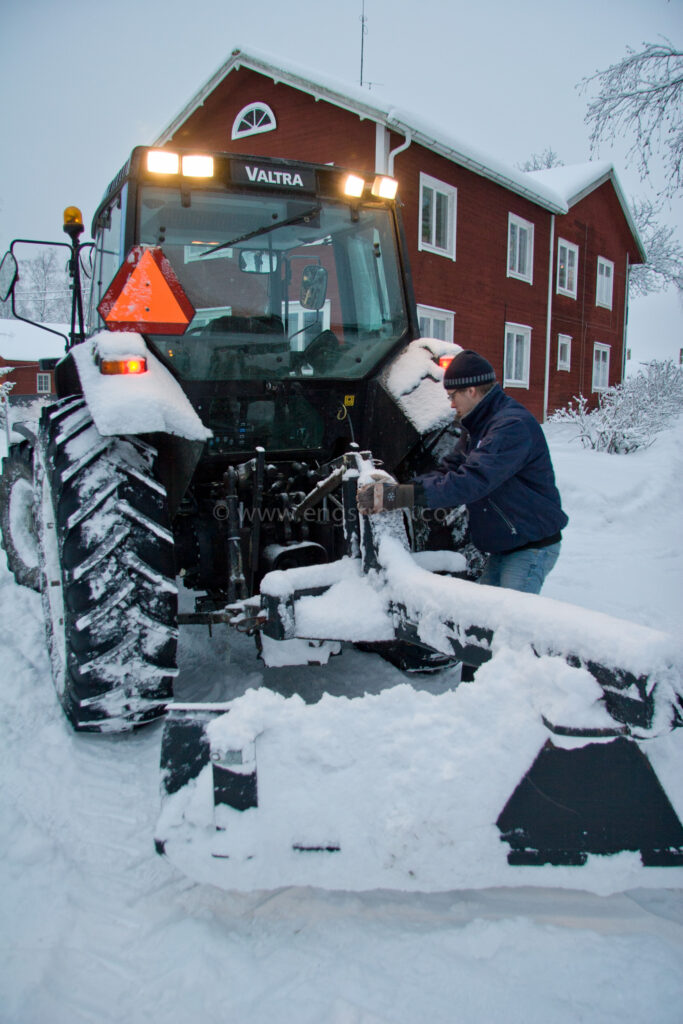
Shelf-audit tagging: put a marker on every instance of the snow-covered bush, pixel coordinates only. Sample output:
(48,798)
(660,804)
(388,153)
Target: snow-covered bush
(629,415)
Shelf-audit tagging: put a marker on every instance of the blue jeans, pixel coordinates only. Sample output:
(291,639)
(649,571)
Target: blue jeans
(521,570)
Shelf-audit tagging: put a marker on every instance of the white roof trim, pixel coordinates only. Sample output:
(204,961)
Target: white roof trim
(355,100)
(238,59)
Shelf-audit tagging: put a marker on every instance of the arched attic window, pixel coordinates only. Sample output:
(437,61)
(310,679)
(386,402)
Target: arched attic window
(253,119)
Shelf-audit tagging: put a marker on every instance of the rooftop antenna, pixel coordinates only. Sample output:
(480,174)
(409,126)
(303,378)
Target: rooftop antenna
(363,33)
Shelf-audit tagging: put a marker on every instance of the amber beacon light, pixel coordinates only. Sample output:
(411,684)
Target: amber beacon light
(73,221)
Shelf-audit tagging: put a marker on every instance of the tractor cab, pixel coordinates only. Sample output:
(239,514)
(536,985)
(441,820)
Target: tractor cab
(288,288)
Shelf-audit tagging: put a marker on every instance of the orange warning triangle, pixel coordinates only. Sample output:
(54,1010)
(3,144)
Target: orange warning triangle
(146,296)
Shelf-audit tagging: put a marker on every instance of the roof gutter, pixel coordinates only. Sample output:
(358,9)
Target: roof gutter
(471,164)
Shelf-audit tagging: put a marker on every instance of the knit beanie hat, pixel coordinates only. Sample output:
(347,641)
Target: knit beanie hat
(468,369)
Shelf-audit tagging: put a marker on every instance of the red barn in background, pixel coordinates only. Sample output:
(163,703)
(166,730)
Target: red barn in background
(529,269)
(31,354)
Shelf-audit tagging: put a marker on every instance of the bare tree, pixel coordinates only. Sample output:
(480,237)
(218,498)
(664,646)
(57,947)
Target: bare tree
(664,253)
(641,96)
(43,289)
(541,161)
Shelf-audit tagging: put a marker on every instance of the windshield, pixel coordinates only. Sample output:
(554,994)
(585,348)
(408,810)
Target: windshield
(282,287)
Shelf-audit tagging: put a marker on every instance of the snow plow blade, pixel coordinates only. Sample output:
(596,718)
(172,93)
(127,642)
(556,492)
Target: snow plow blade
(560,765)
(411,791)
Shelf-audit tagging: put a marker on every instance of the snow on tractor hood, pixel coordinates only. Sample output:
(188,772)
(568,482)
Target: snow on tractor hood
(415,382)
(140,403)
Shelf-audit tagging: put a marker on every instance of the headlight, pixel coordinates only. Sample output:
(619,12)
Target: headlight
(384,188)
(161,161)
(353,186)
(198,166)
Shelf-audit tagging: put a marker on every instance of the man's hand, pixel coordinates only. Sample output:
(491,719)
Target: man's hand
(384,497)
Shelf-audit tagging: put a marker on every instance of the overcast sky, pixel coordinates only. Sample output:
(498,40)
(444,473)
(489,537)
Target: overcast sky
(82,83)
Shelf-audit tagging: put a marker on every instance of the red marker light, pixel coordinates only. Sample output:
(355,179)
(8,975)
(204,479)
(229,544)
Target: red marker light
(445,362)
(114,366)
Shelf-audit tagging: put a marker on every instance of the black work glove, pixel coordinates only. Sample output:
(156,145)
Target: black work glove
(384,497)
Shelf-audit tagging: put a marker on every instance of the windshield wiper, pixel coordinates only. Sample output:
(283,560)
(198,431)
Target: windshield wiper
(264,230)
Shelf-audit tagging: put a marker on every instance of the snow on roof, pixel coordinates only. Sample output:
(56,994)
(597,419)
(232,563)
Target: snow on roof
(27,343)
(383,112)
(575,182)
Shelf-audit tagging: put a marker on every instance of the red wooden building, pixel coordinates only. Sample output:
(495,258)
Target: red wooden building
(529,269)
(29,378)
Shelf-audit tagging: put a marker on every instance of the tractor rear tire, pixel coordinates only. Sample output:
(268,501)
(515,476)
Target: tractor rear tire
(107,574)
(17,521)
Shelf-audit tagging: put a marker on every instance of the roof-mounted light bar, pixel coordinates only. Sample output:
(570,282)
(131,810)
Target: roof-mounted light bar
(354,186)
(195,165)
(384,187)
(160,161)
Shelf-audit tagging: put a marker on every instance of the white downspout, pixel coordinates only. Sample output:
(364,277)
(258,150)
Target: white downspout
(624,336)
(549,317)
(381,148)
(394,153)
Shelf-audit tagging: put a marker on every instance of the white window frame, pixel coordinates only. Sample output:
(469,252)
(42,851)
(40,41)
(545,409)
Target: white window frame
(297,314)
(44,380)
(604,283)
(522,335)
(450,193)
(266,121)
(564,340)
(526,272)
(571,250)
(435,315)
(600,381)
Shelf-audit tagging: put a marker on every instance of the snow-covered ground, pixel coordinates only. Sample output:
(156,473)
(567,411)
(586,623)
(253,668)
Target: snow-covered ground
(97,928)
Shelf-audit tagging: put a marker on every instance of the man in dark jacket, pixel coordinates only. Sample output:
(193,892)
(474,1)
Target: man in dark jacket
(501,470)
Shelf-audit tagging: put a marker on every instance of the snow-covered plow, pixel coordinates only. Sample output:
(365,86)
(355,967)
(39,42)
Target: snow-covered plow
(562,757)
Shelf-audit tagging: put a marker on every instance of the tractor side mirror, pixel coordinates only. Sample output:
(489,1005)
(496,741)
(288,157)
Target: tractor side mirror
(313,287)
(9,272)
(258,261)
(87,260)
